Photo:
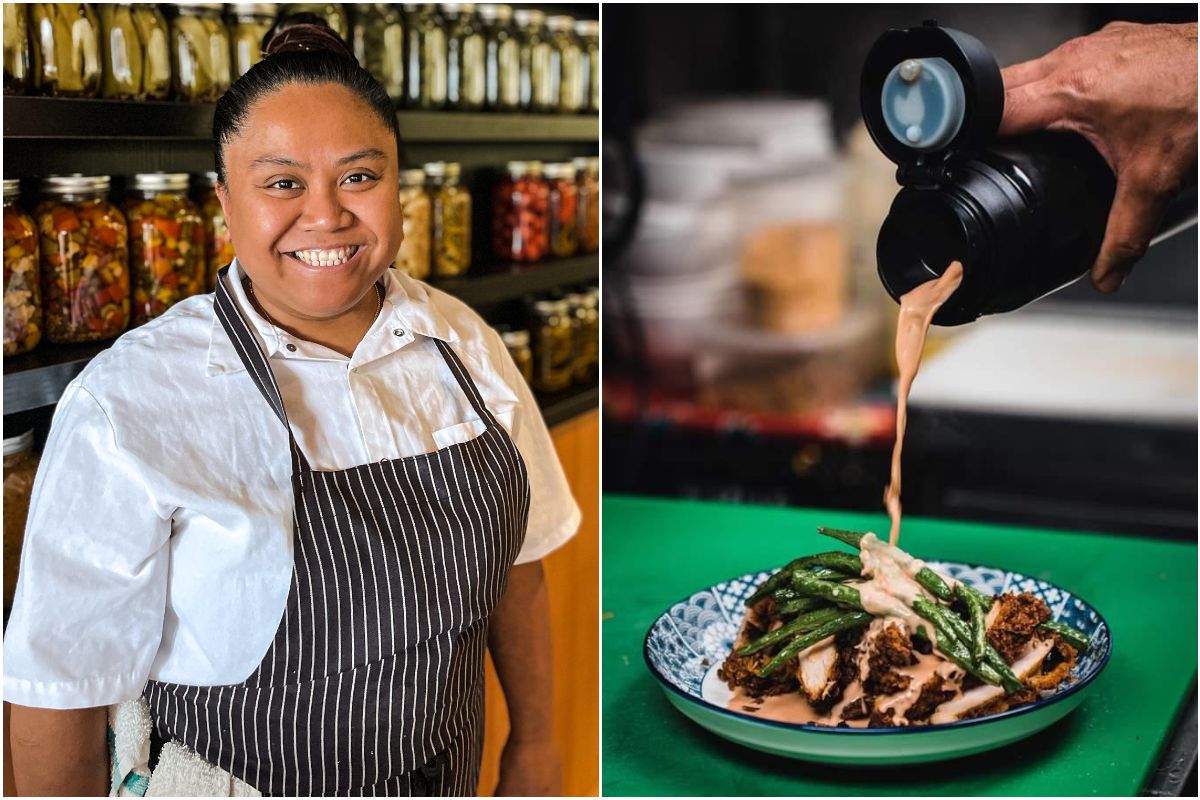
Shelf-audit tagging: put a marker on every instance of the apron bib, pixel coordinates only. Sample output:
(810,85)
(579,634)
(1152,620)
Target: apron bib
(373,683)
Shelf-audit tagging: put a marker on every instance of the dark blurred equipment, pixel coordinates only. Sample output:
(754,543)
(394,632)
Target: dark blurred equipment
(1025,216)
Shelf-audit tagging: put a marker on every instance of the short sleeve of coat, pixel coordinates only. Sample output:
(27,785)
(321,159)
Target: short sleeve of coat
(88,612)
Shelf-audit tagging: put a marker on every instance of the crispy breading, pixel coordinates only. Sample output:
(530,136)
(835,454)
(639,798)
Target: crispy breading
(881,720)
(1017,617)
(1020,697)
(846,670)
(891,648)
(934,692)
(860,708)
(743,671)
(1056,667)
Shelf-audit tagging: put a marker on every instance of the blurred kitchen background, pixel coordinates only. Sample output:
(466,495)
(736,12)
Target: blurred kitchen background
(748,340)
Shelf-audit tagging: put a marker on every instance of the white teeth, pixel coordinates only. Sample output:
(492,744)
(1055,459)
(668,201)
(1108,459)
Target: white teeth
(326,258)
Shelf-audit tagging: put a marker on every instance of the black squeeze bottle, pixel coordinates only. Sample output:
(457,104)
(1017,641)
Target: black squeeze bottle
(1024,215)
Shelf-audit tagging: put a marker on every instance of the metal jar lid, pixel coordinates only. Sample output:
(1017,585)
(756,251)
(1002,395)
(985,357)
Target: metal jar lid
(560,22)
(435,169)
(587,27)
(560,171)
(12,187)
(75,183)
(412,177)
(453,169)
(519,338)
(458,8)
(161,181)
(493,12)
(529,17)
(202,6)
(254,9)
(549,306)
(17,444)
(518,169)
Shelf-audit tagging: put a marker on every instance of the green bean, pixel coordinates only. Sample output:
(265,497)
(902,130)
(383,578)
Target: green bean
(979,642)
(836,592)
(802,623)
(852,538)
(950,626)
(853,619)
(1077,639)
(840,563)
(799,605)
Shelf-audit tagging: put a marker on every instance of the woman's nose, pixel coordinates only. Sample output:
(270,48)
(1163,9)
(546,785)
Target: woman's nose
(323,210)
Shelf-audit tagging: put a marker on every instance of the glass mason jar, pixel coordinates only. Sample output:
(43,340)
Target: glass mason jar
(378,44)
(566,65)
(66,49)
(166,244)
(218,245)
(17,57)
(553,345)
(502,58)
(200,53)
(539,90)
(334,15)
(466,76)
(427,58)
(451,220)
(20,468)
(414,254)
(588,181)
(249,24)
(588,31)
(517,342)
(135,57)
(85,264)
(586,327)
(564,210)
(22,292)
(520,205)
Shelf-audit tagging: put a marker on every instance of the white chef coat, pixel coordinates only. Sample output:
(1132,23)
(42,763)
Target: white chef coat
(159,537)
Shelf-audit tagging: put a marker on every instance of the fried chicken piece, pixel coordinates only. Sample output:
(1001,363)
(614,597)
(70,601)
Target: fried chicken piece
(1020,697)
(934,692)
(881,720)
(846,670)
(743,671)
(1017,617)
(858,709)
(1056,668)
(891,648)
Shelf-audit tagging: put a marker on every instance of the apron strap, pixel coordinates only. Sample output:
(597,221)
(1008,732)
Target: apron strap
(466,383)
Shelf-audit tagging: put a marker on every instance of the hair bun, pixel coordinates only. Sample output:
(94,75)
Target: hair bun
(304,33)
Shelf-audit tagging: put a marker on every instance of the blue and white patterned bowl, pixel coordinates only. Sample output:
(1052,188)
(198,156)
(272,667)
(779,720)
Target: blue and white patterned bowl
(685,646)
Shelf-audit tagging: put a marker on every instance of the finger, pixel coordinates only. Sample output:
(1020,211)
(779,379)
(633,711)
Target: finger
(1136,212)
(1032,107)
(1026,72)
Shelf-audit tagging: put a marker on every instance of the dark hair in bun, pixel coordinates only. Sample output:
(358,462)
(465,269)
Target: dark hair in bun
(298,49)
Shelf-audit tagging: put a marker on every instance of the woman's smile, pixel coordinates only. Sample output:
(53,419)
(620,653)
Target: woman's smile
(328,259)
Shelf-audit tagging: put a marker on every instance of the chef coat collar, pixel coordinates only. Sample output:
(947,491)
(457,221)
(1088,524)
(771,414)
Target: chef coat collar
(407,307)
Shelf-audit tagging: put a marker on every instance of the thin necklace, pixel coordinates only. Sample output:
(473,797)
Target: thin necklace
(270,319)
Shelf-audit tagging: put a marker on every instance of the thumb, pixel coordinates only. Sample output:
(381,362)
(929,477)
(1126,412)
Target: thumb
(1032,107)
(1136,212)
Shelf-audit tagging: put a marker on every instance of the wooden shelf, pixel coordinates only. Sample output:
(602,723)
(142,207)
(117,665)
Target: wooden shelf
(568,404)
(77,118)
(503,282)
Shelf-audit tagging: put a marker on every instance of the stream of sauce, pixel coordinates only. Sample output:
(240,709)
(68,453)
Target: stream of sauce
(917,308)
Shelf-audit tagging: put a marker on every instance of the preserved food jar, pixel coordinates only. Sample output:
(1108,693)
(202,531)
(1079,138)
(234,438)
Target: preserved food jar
(553,345)
(85,264)
(334,15)
(134,45)
(20,468)
(200,53)
(414,254)
(166,243)
(566,65)
(539,89)
(22,292)
(588,170)
(564,209)
(517,342)
(17,57)
(66,49)
(451,220)
(218,245)
(249,25)
(502,58)
(588,31)
(378,43)
(427,59)
(520,205)
(586,327)
(466,78)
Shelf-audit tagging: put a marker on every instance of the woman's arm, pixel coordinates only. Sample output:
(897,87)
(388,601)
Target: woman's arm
(519,640)
(59,753)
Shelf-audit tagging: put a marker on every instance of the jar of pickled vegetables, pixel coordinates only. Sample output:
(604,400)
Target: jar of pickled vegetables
(378,43)
(564,210)
(566,65)
(249,24)
(520,208)
(553,345)
(66,49)
(85,264)
(586,329)
(166,244)
(517,343)
(20,469)
(334,15)
(200,53)
(588,31)
(451,220)
(17,57)
(427,57)
(501,58)
(22,292)
(414,254)
(539,88)
(218,245)
(588,181)
(466,79)
(136,61)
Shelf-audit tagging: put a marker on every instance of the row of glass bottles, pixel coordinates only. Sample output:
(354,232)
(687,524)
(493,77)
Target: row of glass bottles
(428,56)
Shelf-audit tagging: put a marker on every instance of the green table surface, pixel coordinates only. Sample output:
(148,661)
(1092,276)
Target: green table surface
(657,552)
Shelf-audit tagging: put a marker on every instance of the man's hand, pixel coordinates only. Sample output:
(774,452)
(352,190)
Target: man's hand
(530,769)
(1130,90)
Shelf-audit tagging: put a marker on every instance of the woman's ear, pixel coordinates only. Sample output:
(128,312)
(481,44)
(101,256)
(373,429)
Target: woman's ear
(223,196)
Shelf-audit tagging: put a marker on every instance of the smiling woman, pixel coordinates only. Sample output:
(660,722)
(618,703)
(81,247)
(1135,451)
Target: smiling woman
(289,589)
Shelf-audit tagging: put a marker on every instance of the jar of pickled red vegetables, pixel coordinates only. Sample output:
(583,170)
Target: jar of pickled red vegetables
(563,212)
(22,292)
(17,57)
(517,343)
(66,49)
(539,87)
(414,254)
(334,15)
(85,264)
(566,65)
(451,216)
(587,171)
(200,53)
(166,244)
(465,70)
(588,32)
(520,205)
(218,245)
(249,24)
(136,63)
(586,329)
(501,58)
(553,345)
(378,43)
(20,469)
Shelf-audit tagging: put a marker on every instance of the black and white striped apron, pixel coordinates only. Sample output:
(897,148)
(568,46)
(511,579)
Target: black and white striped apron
(373,684)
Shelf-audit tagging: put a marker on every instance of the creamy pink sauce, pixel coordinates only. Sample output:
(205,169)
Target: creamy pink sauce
(917,308)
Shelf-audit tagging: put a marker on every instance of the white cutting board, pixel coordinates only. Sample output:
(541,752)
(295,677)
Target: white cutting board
(1066,365)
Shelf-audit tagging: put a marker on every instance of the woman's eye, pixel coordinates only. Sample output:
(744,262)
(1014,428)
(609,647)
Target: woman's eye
(284,184)
(360,177)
